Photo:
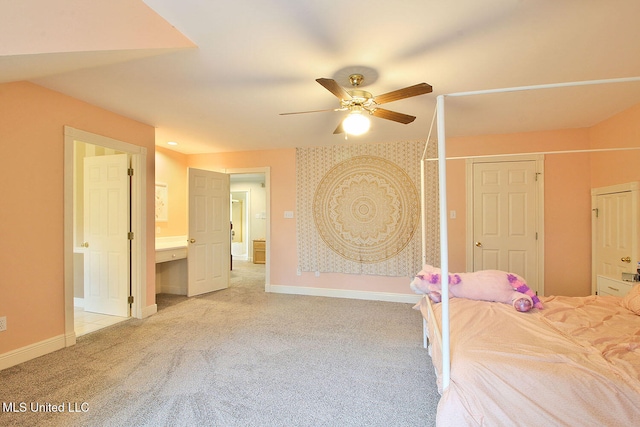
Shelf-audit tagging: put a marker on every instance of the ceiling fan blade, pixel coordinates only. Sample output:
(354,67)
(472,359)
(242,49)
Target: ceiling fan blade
(333,87)
(339,129)
(392,115)
(407,92)
(312,111)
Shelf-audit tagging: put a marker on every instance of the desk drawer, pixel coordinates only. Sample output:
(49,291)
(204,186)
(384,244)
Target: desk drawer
(164,255)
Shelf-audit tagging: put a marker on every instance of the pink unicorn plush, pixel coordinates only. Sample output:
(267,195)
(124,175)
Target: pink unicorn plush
(485,285)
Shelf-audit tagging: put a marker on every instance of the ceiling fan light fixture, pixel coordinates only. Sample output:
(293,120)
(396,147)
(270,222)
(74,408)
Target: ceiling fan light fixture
(356,123)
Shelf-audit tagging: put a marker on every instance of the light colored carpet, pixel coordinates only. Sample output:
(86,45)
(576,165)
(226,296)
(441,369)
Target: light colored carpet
(237,357)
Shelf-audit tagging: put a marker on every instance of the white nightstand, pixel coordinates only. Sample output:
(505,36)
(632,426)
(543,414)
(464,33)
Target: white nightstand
(615,287)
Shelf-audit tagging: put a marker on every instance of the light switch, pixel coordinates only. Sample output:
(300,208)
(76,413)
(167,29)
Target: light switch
(288,214)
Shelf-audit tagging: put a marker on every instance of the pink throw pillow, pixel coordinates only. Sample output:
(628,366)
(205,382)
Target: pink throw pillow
(631,301)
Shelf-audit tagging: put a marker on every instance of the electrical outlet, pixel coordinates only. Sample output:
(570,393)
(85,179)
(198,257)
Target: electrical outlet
(3,323)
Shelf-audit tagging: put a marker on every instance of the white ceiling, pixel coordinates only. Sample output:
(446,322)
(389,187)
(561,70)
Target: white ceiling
(256,59)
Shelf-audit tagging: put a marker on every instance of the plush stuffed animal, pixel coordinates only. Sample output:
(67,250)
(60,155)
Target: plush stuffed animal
(485,285)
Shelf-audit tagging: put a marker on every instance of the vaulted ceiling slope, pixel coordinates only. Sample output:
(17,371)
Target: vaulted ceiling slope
(214,76)
(45,38)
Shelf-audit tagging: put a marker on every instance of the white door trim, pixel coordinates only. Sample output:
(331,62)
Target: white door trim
(138,223)
(539,159)
(267,189)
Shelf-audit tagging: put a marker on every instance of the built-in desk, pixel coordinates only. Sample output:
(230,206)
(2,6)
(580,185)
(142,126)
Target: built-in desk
(171,265)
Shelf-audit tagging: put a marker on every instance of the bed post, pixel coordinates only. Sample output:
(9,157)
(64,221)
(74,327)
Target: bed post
(444,243)
(425,334)
(422,204)
(423,198)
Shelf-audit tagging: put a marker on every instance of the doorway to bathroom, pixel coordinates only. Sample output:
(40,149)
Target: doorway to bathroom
(80,241)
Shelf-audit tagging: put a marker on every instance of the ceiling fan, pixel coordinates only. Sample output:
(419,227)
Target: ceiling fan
(358,102)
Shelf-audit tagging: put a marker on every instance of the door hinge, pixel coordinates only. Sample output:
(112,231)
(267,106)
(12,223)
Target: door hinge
(538,173)
(130,171)
(596,211)
(130,299)
(130,235)
(536,235)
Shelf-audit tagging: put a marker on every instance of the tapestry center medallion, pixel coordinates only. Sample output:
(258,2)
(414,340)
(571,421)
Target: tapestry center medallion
(366,209)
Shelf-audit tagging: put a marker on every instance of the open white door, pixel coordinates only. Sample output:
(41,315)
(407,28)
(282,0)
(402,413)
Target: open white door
(209,232)
(106,228)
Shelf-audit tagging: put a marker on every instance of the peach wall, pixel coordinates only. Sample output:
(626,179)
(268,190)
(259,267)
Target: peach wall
(567,202)
(567,214)
(283,231)
(171,169)
(567,210)
(568,181)
(31,216)
(282,197)
(457,201)
(622,130)
(617,167)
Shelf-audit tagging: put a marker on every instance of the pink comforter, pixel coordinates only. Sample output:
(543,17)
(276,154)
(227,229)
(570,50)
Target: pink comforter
(577,362)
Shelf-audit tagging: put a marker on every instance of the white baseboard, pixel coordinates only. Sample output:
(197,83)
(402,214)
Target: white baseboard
(149,310)
(20,355)
(341,293)
(70,339)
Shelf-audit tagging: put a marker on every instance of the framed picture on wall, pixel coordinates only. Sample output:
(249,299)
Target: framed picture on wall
(162,202)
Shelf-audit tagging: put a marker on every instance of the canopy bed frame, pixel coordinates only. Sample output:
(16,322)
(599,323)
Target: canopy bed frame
(440,325)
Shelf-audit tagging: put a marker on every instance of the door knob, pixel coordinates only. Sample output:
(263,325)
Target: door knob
(625,259)
(479,244)
(84,245)
(192,240)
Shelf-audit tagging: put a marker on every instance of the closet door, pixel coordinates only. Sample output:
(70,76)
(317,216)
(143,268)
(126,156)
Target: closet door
(504,218)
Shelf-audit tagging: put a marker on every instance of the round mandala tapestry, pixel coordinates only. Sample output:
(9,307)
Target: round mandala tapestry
(366,209)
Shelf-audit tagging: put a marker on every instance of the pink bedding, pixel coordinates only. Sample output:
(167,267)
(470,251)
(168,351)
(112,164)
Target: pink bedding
(577,362)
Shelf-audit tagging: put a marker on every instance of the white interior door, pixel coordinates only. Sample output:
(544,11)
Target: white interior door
(106,227)
(616,234)
(209,255)
(504,218)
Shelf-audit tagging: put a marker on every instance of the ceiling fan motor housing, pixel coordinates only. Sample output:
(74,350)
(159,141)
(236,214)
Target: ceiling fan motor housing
(359,98)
